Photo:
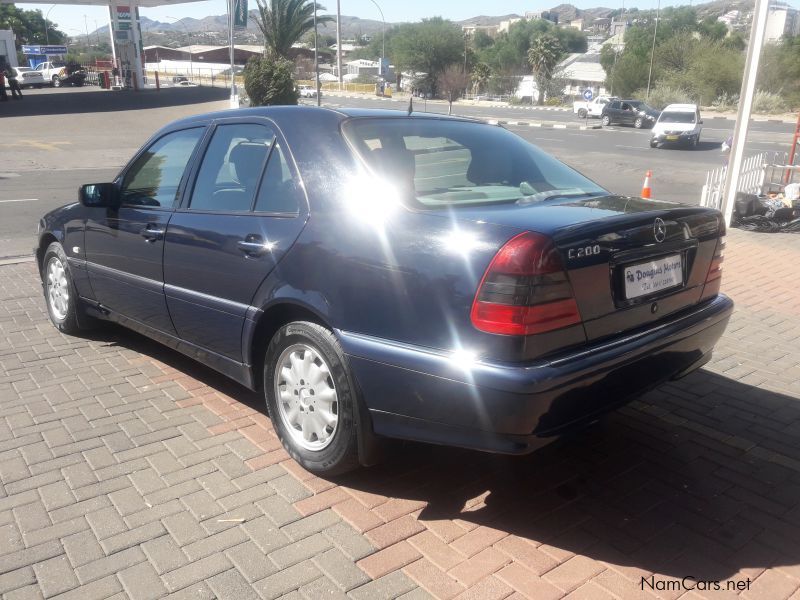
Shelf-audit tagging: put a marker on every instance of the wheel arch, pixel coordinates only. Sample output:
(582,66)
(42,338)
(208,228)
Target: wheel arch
(45,240)
(271,319)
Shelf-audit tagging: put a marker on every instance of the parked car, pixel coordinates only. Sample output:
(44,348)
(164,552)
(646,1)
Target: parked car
(50,71)
(306,91)
(678,124)
(629,112)
(383,275)
(27,77)
(593,108)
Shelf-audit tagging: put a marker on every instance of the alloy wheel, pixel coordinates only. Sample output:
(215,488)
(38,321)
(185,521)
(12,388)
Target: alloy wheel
(57,288)
(306,397)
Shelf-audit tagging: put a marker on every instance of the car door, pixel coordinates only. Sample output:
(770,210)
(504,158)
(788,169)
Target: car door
(125,244)
(613,109)
(245,210)
(627,115)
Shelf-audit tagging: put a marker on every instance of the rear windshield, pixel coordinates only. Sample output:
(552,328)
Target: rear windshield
(677,117)
(437,162)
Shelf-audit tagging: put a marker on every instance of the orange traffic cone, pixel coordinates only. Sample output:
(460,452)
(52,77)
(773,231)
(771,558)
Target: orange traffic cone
(647,192)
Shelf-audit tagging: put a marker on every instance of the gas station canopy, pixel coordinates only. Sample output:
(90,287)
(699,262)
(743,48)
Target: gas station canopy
(144,3)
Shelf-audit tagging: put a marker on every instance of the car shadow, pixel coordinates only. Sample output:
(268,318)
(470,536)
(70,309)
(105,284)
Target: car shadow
(63,102)
(700,477)
(701,146)
(653,486)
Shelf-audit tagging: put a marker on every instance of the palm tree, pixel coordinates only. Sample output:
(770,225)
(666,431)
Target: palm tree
(543,56)
(284,22)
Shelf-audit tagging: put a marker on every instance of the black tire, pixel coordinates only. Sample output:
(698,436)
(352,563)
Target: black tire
(56,81)
(638,123)
(341,452)
(606,120)
(65,319)
(653,144)
(582,112)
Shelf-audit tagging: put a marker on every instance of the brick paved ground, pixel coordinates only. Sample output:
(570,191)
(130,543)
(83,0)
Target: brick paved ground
(129,471)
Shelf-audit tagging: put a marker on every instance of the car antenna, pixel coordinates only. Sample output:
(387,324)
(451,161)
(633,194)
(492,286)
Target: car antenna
(410,105)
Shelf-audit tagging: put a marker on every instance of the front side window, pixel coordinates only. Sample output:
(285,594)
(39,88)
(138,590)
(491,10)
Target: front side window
(155,177)
(439,162)
(231,168)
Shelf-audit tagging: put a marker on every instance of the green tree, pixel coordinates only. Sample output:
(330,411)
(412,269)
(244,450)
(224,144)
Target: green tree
(428,47)
(480,77)
(268,81)
(29,26)
(284,22)
(543,56)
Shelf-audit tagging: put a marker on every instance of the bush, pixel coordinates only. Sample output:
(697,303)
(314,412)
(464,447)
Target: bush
(662,94)
(725,102)
(269,81)
(768,103)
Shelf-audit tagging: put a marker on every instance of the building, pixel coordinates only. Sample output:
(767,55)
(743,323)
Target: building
(362,68)
(490,30)
(782,20)
(8,49)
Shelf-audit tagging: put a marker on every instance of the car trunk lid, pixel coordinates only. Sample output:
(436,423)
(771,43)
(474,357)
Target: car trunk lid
(630,261)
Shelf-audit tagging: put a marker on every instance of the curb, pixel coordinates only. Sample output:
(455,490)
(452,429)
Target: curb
(545,124)
(15,260)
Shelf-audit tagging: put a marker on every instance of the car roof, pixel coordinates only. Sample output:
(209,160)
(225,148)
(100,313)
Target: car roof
(288,114)
(681,107)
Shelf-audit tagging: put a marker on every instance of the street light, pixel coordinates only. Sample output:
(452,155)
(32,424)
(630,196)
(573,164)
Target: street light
(653,51)
(383,34)
(46,26)
(316,56)
(186,29)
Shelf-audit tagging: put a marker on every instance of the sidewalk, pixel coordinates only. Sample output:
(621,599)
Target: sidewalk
(127,470)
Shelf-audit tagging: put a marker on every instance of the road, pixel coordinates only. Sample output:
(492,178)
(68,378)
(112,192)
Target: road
(50,148)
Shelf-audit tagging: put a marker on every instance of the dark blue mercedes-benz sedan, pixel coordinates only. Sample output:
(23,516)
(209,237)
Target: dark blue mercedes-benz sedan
(379,274)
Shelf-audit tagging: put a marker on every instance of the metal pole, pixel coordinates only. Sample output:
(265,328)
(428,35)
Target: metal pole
(339,41)
(735,160)
(316,56)
(86,26)
(234,93)
(653,51)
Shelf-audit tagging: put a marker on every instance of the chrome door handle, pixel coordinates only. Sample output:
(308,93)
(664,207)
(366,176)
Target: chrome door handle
(151,233)
(252,248)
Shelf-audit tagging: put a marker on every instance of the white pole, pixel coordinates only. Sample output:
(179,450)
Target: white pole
(234,94)
(111,38)
(316,57)
(339,40)
(735,160)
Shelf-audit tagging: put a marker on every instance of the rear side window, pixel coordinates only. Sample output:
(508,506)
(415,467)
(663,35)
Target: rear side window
(279,191)
(438,162)
(231,168)
(154,179)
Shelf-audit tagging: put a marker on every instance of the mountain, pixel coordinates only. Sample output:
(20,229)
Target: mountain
(354,27)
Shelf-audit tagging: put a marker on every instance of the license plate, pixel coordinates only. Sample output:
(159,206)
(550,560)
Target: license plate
(673,138)
(643,279)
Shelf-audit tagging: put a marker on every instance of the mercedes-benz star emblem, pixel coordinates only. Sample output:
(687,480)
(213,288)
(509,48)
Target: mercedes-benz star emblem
(659,230)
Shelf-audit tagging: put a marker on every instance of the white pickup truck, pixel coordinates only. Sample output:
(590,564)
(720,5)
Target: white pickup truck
(593,108)
(51,72)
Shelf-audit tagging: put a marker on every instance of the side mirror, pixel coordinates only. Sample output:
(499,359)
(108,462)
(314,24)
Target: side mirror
(98,195)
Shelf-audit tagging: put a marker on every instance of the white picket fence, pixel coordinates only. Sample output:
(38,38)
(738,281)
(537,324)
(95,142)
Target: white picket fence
(760,173)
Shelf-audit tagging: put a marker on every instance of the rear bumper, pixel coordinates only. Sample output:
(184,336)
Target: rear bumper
(419,394)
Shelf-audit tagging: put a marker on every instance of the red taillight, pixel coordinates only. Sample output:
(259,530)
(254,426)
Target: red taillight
(525,290)
(714,276)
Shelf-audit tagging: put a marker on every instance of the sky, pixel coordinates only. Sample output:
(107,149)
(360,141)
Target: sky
(74,20)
